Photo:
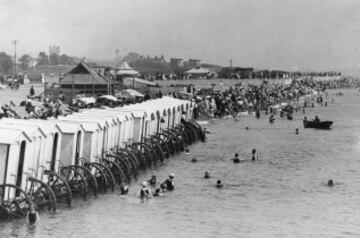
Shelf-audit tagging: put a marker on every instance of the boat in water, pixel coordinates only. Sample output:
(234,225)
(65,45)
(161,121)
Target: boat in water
(317,124)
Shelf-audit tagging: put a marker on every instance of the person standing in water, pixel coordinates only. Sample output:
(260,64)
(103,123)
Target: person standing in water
(254,155)
(32,215)
(145,191)
(236,159)
(169,184)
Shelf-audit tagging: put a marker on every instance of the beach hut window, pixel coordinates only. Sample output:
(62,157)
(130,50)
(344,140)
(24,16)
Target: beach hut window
(77,152)
(4,158)
(54,152)
(20,166)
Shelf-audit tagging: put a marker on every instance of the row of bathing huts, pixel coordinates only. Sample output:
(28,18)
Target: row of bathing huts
(47,162)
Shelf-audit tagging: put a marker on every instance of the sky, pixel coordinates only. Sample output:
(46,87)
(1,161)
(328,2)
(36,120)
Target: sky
(274,34)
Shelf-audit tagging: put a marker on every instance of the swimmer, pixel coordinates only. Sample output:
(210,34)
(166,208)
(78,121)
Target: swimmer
(236,159)
(207,175)
(297,131)
(254,155)
(145,191)
(152,180)
(194,160)
(169,184)
(32,215)
(158,193)
(219,184)
(247,128)
(124,189)
(330,183)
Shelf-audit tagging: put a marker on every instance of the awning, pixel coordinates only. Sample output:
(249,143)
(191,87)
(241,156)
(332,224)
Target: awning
(138,80)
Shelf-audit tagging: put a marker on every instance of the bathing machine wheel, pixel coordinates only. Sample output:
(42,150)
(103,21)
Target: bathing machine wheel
(40,194)
(14,202)
(122,163)
(80,179)
(116,170)
(59,186)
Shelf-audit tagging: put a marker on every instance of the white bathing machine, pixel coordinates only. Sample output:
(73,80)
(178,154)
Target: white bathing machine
(35,151)
(93,139)
(14,153)
(72,140)
(51,147)
(125,124)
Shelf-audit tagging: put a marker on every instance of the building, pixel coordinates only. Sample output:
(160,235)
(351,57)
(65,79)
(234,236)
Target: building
(176,62)
(194,63)
(84,80)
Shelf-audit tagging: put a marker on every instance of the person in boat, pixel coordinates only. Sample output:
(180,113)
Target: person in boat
(124,189)
(219,184)
(254,155)
(317,120)
(207,175)
(32,216)
(236,159)
(152,181)
(145,191)
(330,183)
(169,184)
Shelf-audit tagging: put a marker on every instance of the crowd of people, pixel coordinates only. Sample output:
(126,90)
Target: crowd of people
(255,98)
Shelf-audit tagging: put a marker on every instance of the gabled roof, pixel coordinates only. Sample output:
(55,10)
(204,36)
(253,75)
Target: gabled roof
(83,74)
(11,136)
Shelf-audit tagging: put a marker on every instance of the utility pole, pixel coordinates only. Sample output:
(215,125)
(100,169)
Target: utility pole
(117,57)
(15,42)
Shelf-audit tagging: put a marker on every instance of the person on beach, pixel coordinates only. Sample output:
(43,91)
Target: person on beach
(187,152)
(169,184)
(145,191)
(254,156)
(32,91)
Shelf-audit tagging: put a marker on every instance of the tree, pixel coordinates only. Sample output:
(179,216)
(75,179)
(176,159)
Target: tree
(43,58)
(54,59)
(6,63)
(25,61)
(66,60)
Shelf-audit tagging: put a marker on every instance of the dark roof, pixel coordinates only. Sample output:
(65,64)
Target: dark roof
(151,66)
(83,74)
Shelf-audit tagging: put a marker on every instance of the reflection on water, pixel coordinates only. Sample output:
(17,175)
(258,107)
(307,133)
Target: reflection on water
(282,195)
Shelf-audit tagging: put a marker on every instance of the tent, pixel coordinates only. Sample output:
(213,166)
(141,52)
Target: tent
(126,70)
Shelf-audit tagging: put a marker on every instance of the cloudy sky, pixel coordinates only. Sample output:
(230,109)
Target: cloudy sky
(276,34)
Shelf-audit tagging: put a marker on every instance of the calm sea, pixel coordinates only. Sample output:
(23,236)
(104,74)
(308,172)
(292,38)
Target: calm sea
(282,195)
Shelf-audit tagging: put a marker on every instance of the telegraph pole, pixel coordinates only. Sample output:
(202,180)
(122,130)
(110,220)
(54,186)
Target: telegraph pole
(117,57)
(15,42)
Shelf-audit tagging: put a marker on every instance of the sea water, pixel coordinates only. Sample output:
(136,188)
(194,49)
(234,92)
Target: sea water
(284,194)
